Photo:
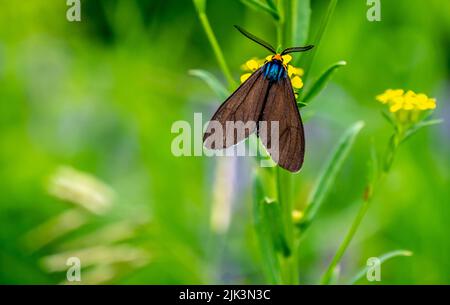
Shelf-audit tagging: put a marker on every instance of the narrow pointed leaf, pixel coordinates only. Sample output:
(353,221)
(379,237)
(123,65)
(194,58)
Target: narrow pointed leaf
(383,258)
(307,60)
(420,126)
(301,15)
(212,82)
(274,219)
(263,230)
(321,82)
(389,118)
(328,174)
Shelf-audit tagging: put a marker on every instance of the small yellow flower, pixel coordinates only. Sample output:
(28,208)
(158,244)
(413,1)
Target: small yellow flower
(294,73)
(297,82)
(399,100)
(297,216)
(406,107)
(245,76)
(389,94)
(250,66)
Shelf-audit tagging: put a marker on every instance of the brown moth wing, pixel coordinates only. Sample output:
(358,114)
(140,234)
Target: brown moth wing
(243,106)
(281,107)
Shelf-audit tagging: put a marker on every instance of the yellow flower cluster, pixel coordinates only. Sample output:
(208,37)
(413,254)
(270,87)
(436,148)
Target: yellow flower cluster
(294,73)
(399,100)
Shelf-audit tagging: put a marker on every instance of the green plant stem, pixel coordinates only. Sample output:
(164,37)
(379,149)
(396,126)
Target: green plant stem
(280,24)
(288,263)
(348,238)
(389,155)
(216,48)
(282,180)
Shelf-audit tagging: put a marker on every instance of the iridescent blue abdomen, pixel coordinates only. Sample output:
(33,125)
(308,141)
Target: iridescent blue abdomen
(274,70)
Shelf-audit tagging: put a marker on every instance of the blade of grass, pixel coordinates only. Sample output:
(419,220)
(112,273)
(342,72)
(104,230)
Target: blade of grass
(383,258)
(321,82)
(329,173)
(215,85)
(307,60)
(300,20)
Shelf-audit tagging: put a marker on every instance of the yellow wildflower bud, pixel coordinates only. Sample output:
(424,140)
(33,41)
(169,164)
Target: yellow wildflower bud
(294,71)
(406,107)
(286,59)
(297,82)
(297,216)
(252,65)
(245,76)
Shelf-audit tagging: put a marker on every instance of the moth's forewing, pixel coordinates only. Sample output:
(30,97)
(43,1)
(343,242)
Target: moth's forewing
(281,107)
(238,115)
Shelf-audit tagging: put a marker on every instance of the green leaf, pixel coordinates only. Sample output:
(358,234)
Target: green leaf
(259,6)
(322,81)
(306,61)
(335,276)
(383,258)
(272,4)
(307,115)
(211,81)
(420,126)
(274,221)
(329,172)
(373,168)
(389,118)
(301,15)
(263,229)
(301,104)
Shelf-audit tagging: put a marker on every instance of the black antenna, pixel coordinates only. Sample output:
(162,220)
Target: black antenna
(259,41)
(296,49)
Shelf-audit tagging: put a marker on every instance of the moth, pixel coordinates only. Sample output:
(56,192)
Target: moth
(265,99)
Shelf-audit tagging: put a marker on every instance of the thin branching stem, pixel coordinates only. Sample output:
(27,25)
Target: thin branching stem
(367,198)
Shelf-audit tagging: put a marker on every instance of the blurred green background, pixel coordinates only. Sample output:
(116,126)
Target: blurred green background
(86,169)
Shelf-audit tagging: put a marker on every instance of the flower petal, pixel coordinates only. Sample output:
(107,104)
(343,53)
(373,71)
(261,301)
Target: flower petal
(297,82)
(252,64)
(245,76)
(382,98)
(286,59)
(395,107)
(294,71)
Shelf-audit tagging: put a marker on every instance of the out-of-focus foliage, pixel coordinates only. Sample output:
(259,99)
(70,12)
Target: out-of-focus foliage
(85,133)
